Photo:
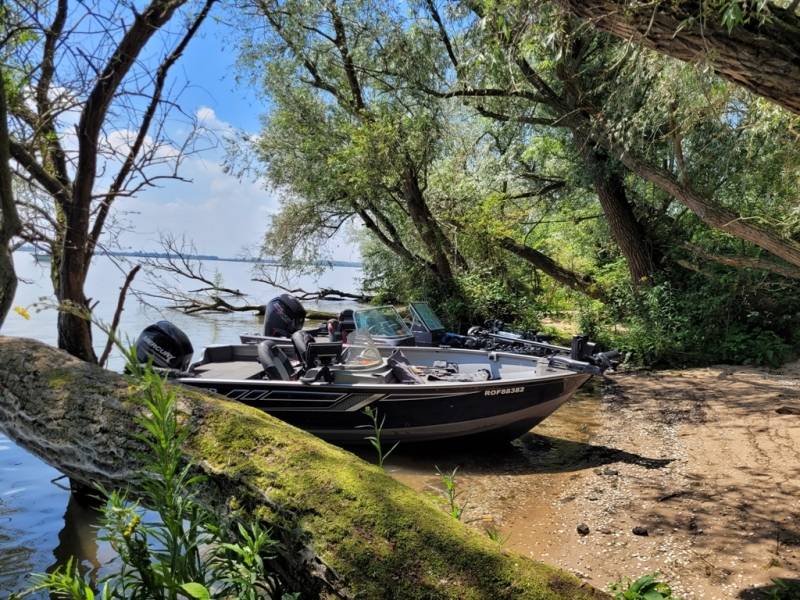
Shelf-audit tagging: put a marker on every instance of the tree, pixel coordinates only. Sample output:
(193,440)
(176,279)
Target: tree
(345,138)
(752,44)
(82,64)
(506,87)
(10,224)
(546,53)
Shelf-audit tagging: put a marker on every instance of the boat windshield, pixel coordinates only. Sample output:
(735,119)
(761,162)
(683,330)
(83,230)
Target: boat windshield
(425,317)
(382,321)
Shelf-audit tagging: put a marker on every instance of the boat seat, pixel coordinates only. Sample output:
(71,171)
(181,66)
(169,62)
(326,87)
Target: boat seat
(277,365)
(312,353)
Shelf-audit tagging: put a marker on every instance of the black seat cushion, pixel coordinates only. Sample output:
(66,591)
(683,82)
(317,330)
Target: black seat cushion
(277,365)
(301,340)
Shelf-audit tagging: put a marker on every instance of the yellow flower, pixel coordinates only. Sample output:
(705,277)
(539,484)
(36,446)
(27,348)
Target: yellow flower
(22,312)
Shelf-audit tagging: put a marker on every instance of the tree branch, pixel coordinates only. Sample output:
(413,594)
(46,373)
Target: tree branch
(580,283)
(123,292)
(155,100)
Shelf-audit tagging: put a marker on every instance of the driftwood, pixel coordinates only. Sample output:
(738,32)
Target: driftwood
(348,530)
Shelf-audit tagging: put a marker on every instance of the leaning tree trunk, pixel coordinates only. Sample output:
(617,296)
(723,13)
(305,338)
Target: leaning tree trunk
(762,57)
(347,529)
(577,281)
(628,233)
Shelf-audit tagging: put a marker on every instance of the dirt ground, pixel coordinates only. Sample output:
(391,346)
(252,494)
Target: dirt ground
(707,461)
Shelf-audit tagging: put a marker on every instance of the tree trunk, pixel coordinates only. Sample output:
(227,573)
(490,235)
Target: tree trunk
(762,57)
(347,529)
(9,218)
(580,283)
(628,233)
(74,326)
(8,281)
(436,243)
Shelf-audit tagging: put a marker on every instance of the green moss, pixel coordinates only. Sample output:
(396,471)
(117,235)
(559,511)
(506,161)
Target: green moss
(60,379)
(383,538)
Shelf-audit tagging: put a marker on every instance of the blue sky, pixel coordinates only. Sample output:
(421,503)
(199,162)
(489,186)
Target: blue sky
(219,213)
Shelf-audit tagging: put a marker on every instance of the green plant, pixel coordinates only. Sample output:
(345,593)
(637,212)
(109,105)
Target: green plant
(187,552)
(375,438)
(783,589)
(452,494)
(493,533)
(646,587)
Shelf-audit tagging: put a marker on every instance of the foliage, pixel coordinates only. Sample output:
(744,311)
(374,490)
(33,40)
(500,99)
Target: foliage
(186,552)
(448,92)
(647,587)
(375,438)
(783,589)
(451,493)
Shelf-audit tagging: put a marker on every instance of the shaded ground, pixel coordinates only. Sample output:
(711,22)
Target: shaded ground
(707,460)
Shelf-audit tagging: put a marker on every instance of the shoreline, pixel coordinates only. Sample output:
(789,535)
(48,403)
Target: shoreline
(706,460)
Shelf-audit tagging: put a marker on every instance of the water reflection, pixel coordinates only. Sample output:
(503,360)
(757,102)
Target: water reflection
(78,538)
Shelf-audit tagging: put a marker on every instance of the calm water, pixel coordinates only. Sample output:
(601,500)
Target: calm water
(40,525)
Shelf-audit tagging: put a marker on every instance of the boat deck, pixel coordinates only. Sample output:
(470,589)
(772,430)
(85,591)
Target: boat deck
(233,369)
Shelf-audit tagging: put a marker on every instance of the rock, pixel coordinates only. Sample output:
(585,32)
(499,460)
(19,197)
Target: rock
(583,529)
(611,472)
(640,530)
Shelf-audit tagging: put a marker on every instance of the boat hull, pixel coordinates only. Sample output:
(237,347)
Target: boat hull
(503,410)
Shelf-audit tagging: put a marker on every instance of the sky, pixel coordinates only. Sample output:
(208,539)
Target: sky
(219,213)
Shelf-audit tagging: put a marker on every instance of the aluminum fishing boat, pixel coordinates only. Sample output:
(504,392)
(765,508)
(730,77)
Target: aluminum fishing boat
(384,326)
(424,393)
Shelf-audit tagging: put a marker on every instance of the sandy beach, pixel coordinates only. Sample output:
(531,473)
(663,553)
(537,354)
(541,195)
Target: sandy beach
(704,463)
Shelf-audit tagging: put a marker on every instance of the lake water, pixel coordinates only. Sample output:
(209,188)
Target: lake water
(41,526)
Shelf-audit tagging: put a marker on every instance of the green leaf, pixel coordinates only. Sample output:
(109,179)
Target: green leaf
(196,590)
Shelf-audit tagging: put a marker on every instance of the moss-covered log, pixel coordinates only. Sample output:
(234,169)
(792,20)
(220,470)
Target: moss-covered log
(348,530)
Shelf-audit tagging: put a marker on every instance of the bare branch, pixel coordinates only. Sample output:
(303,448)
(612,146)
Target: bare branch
(144,127)
(123,291)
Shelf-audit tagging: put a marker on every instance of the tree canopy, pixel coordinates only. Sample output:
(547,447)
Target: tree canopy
(479,146)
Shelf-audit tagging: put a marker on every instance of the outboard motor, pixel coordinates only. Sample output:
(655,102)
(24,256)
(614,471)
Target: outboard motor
(166,345)
(283,316)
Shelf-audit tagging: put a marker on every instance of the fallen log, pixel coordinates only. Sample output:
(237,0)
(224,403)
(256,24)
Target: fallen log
(348,530)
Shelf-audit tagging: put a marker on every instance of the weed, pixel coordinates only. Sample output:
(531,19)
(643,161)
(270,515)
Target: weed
(375,438)
(451,493)
(493,532)
(783,589)
(646,587)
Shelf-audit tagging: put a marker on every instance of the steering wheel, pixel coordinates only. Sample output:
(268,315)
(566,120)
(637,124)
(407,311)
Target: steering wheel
(377,329)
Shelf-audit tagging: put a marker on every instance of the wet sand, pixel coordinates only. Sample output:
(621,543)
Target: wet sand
(706,460)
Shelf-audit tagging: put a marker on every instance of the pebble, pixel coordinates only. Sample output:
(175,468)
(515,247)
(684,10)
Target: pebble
(583,529)
(640,530)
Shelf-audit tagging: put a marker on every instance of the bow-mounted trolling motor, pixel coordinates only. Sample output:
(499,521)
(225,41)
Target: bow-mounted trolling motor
(582,355)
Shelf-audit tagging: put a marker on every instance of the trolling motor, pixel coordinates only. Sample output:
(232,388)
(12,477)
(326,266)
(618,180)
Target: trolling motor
(582,355)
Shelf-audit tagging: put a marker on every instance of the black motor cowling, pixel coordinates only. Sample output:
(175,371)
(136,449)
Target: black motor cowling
(166,345)
(283,316)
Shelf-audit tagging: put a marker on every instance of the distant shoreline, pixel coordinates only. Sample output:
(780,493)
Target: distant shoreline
(207,257)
